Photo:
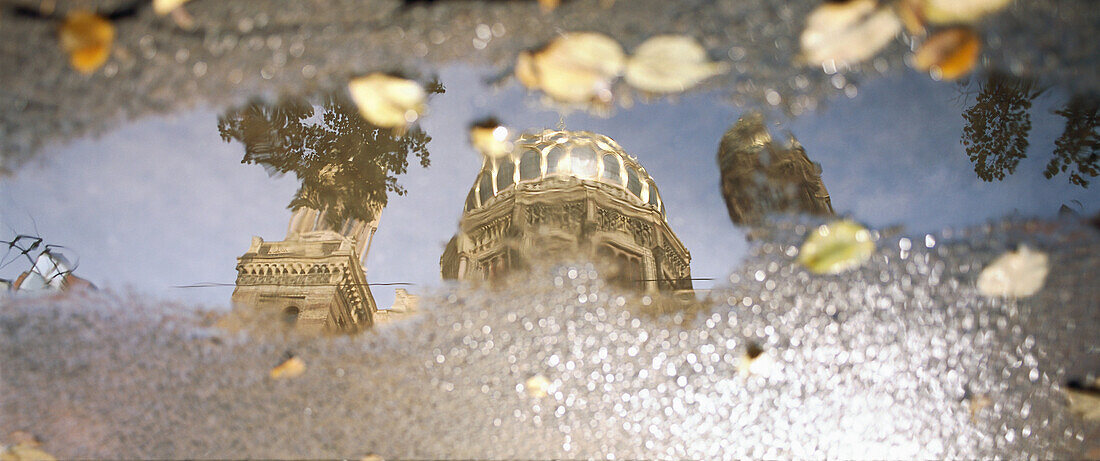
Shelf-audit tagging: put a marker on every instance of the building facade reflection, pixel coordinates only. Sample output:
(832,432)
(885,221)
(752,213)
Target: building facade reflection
(347,167)
(761,177)
(561,194)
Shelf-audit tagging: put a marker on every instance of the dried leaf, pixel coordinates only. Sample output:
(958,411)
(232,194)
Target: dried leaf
(754,362)
(87,38)
(576,67)
(549,5)
(537,386)
(976,403)
(22,452)
(836,247)
(1084,403)
(291,368)
(911,13)
(163,7)
(1018,274)
(25,438)
(964,11)
(848,32)
(491,139)
(670,64)
(387,101)
(949,54)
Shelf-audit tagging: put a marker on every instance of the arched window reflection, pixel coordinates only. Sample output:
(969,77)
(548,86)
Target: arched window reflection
(470,201)
(506,174)
(290,315)
(530,165)
(485,188)
(556,161)
(584,162)
(611,172)
(632,182)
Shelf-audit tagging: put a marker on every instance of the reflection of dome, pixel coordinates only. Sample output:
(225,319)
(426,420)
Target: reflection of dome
(563,194)
(580,154)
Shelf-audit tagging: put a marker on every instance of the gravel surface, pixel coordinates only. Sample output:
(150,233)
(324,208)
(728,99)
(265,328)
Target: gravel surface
(239,49)
(901,358)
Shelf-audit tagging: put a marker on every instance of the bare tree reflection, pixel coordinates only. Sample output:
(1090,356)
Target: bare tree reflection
(346,165)
(1079,144)
(997,125)
(761,177)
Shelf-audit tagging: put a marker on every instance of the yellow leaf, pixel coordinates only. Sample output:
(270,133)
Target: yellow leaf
(537,386)
(163,7)
(548,5)
(576,67)
(387,101)
(1018,274)
(22,452)
(291,368)
(670,64)
(87,39)
(950,54)
(491,140)
(956,11)
(836,247)
(848,32)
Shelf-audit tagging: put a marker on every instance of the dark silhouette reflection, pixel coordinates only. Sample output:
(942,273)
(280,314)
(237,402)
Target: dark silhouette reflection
(997,125)
(345,164)
(761,177)
(1079,144)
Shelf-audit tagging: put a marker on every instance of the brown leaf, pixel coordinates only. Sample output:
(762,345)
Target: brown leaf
(949,54)
(291,368)
(87,38)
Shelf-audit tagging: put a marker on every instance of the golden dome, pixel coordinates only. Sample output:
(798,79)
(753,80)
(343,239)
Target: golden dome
(580,154)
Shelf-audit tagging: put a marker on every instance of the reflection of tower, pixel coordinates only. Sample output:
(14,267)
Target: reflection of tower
(315,277)
(761,177)
(562,193)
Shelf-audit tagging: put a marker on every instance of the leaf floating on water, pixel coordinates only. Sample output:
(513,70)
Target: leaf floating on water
(87,38)
(537,386)
(949,54)
(291,368)
(754,362)
(163,7)
(372,457)
(956,11)
(1019,274)
(1085,402)
(24,452)
(836,247)
(848,32)
(490,138)
(670,64)
(549,5)
(386,101)
(574,68)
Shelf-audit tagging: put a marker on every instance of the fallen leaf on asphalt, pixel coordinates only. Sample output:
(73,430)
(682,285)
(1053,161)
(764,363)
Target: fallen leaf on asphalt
(87,38)
(1019,274)
(670,64)
(960,11)
(848,32)
(291,368)
(836,247)
(387,101)
(949,54)
(574,68)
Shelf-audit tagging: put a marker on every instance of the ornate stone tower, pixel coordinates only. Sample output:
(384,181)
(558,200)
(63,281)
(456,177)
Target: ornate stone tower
(315,277)
(760,176)
(564,193)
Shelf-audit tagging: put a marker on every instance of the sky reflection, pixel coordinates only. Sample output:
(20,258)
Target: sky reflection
(164,201)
